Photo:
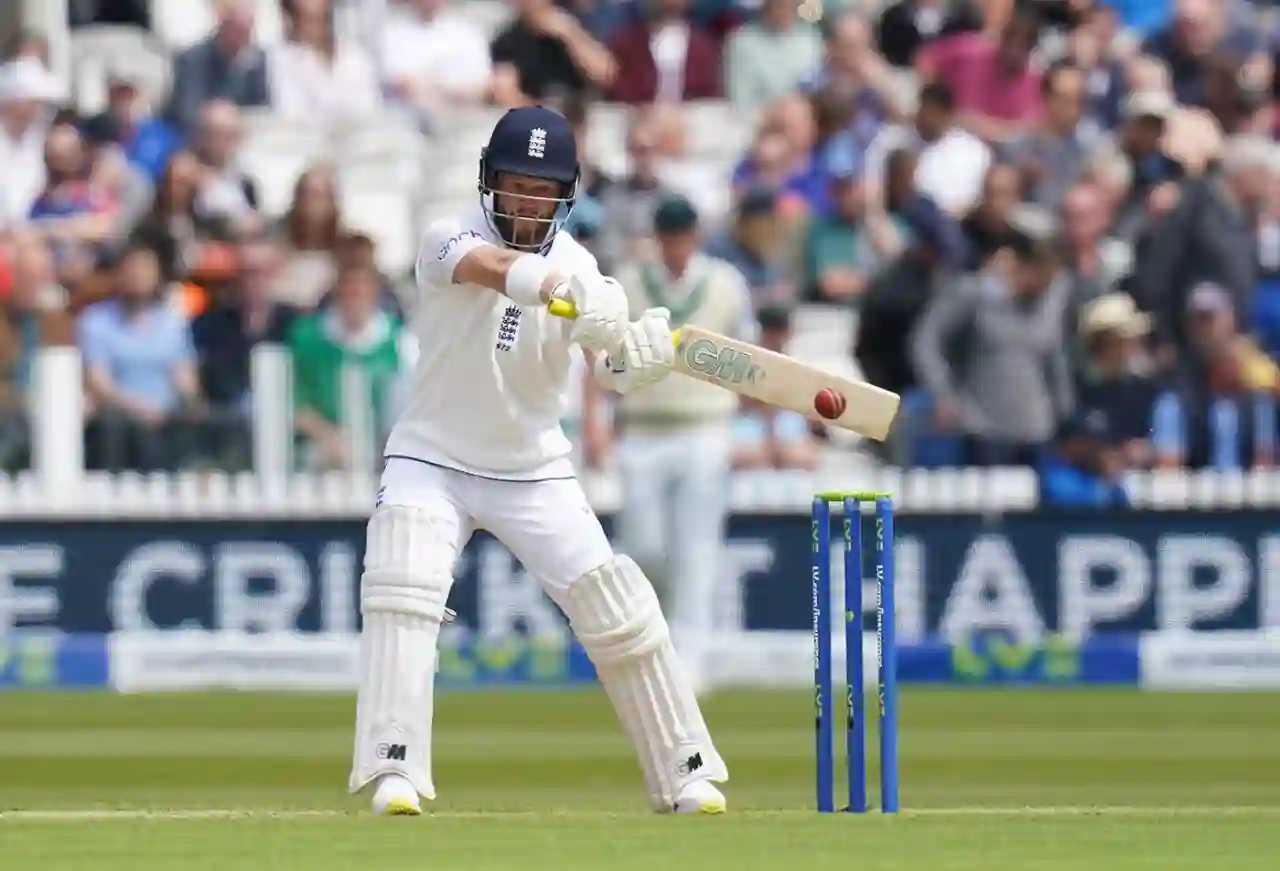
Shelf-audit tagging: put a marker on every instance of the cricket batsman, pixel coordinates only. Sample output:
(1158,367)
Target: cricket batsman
(479,446)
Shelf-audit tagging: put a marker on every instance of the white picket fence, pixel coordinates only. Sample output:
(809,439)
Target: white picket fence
(57,485)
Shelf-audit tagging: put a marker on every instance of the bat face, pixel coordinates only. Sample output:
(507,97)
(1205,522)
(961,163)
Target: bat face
(783,381)
(773,378)
(722,363)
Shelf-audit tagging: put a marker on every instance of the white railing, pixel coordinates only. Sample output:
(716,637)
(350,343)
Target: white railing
(58,486)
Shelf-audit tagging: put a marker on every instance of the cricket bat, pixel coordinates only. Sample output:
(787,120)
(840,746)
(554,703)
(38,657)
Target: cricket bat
(776,379)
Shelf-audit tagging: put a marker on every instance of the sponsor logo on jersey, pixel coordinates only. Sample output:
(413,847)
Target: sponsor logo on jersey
(452,242)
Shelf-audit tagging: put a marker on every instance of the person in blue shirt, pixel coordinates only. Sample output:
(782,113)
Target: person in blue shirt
(147,141)
(754,246)
(140,369)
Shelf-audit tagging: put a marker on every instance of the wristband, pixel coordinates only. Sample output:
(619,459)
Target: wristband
(524,279)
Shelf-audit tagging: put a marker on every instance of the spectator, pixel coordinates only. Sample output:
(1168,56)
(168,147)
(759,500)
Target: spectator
(781,159)
(1143,16)
(1221,411)
(603,18)
(883,224)
(1265,325)
(675,435)
(1199,29)
(952,163)
(836,256)
(309,233)
(1140,143)
(147,141)
(71,213)
(934,251)
(1053,156)
(27,95)
(126,188)
(771,56)
(27,44)
(1083,468)
(225,335)
(1092,263)
(353,331)
(226,66)
(226,195)
(755,246)
(140,370)
(628,206)
(833,149)
(358,250)
(1204,234)
(545,50)
(1114,387)
(1238,105)
(908,26)
(995,83)
(224,339)
(810,124)
(1148,73)
(433,58)
(765,436)
(173,228)
(989,227)
(1012,386)
(313,78)
(1111,68)
(665,58)
(853,73)
(33,316)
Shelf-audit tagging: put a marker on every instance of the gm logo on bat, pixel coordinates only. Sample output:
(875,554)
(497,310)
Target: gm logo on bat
(723,364)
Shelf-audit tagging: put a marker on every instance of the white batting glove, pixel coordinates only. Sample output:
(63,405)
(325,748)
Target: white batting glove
(603,312)
(646,356)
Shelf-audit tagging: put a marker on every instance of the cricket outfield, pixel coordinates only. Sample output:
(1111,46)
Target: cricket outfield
(531,780)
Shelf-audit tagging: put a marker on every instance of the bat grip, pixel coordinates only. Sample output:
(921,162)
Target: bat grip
(562,308)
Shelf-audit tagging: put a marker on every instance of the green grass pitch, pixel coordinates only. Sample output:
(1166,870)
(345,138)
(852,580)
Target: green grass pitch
(1022,780)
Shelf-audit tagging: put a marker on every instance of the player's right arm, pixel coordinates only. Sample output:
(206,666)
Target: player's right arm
(453,253)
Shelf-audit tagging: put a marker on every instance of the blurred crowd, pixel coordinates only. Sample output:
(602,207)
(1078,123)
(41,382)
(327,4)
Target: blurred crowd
(1055,223)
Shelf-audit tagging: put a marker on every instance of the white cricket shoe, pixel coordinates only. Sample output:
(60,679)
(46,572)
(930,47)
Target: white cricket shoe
(700,797)
(396,797)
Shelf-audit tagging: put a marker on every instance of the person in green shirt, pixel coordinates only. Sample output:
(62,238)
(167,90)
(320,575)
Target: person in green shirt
(837,260)
(351,330)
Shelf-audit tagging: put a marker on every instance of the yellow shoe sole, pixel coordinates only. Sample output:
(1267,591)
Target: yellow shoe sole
(709,809)
(401,807)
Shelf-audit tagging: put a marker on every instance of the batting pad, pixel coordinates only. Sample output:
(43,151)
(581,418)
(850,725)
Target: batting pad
(402,594)
(615,614)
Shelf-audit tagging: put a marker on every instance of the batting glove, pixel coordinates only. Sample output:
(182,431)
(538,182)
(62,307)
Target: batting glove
(603,312)
(646,356)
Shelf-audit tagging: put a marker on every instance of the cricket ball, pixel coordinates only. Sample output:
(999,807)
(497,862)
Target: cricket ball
(829,403)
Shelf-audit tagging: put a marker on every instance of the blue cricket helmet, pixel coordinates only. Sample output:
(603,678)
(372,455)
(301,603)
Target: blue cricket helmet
(534,142)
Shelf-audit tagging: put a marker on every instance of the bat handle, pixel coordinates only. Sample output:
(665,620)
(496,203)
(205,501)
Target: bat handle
(562,308)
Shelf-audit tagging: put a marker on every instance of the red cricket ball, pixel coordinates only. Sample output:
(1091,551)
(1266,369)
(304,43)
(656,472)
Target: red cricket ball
(829,403)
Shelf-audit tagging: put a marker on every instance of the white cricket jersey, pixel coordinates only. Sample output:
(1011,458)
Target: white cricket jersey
(492,380)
